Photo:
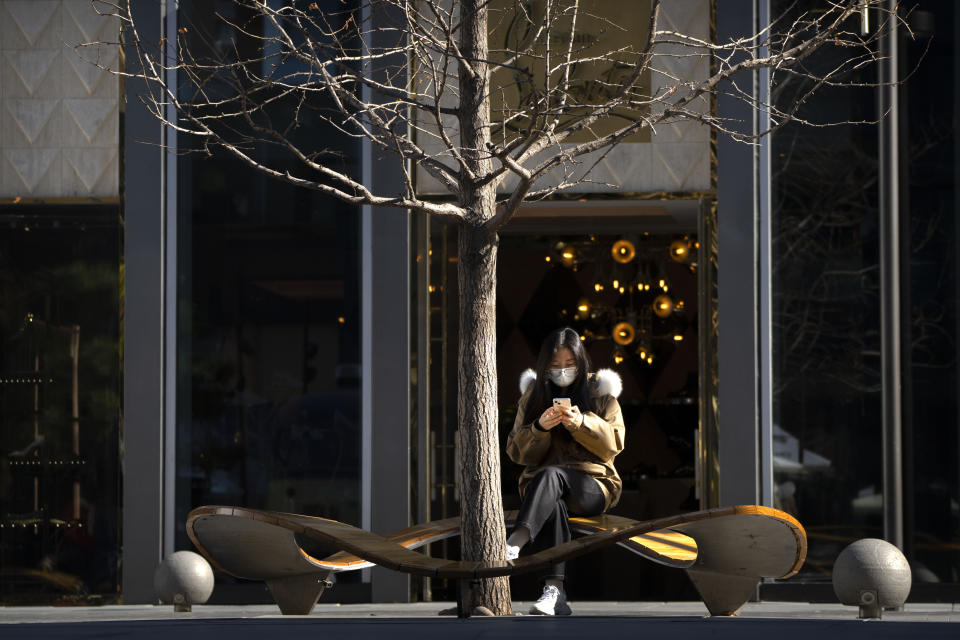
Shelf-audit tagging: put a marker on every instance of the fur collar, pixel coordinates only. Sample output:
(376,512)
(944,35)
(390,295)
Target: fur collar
(606,382)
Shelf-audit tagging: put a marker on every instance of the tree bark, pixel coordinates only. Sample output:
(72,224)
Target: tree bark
(481,514)
(483,534)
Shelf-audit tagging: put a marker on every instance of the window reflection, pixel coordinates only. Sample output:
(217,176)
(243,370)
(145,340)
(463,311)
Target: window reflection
(826,352)
(269,352)
(930,293)
(828,430)
(269,326)
(60,282)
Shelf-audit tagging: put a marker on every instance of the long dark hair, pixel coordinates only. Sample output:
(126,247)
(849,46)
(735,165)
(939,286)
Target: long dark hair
(544,391)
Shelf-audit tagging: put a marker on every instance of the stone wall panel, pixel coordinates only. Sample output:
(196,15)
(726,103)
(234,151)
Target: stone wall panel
(59,112)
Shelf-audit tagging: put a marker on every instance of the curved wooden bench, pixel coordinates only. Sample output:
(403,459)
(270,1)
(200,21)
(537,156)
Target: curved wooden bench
(670,548)
(725,551)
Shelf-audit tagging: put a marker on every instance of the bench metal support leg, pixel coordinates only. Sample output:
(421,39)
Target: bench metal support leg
(464,598)
(296,595)
(723,593)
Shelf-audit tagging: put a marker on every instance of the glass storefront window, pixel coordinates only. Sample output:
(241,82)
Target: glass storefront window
(268,392)
(827,434)
(930,295)
(826,318)
(60,373)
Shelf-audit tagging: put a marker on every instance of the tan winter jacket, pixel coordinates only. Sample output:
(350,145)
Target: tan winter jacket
(590,448)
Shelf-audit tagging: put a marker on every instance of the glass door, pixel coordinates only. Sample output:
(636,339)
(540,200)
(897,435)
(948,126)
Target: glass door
(628,284)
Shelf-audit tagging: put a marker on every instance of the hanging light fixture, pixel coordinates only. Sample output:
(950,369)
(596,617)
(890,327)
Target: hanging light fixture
(663,280)
(617,277)
(597,277)
(663,306)
(642,279)
(679,250)
(643,351)
(624,333)
(566,253)
(623,251)
(618,356)
(583,309)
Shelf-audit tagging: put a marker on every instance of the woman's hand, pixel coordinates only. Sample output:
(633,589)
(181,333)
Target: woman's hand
(571,418)
(550,418)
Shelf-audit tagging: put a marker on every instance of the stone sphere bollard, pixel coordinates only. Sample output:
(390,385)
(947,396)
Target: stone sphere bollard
(183,579)
(871,574)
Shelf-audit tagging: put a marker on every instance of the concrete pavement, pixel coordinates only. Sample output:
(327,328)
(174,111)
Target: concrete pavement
(609,620)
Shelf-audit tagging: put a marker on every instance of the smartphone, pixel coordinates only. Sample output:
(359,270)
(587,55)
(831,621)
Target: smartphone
(561,402)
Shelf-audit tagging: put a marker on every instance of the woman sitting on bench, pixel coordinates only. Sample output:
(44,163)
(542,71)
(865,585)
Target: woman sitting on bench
(567,432)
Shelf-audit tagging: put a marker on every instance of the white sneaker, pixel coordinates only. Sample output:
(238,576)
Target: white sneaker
(513,552)
(553,602)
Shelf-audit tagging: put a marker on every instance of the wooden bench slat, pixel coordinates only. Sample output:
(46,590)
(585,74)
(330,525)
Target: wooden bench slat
(670,548)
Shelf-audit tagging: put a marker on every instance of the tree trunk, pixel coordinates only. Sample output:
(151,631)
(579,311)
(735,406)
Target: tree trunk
(481,512)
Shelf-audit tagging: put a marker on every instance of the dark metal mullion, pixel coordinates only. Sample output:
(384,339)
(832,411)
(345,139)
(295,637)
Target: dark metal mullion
(708,454)
(956,221)
(422,318)
(906,306)
(889,259)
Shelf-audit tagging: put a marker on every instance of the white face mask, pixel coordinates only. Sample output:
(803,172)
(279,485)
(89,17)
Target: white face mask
(562,377)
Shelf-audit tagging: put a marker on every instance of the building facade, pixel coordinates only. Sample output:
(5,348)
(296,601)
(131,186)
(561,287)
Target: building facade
(179,330)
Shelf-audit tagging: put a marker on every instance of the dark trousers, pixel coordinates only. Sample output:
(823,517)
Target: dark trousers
(550,498)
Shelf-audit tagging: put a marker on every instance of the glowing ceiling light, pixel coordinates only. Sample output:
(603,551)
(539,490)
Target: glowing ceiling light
(623,251)
(624,333)
(679,250)
(663,306)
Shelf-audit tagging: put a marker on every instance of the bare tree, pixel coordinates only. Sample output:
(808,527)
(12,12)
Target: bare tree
(498,101)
